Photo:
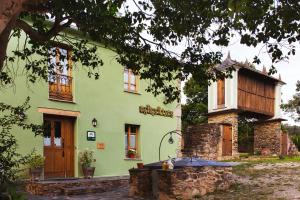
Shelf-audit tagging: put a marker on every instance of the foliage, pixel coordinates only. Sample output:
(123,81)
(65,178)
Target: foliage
(9,191)
(10,160)
(86,158)
(195,109)
(293,105)
(296,140)
(292,129)
(131,152)
(144,34)
(245,135)
(36,160)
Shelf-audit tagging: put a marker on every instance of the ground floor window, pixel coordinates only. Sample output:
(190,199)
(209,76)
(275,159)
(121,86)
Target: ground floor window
(131,141)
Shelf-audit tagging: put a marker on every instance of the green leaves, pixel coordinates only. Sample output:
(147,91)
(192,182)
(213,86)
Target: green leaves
(293,105)
(195,109)
(12,117)
(145,33)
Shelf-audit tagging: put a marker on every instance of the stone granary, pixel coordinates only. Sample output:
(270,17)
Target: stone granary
(254,94)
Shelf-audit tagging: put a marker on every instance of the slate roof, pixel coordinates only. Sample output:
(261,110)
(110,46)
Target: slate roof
(228,62)
(192,162)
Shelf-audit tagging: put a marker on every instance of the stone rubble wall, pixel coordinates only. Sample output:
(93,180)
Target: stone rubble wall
(140,182)
(54,188)
(189,183)
(183,183)
(267,137)
(203,140)
(232,119)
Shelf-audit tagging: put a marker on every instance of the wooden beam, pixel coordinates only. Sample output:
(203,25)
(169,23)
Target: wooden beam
(53,111)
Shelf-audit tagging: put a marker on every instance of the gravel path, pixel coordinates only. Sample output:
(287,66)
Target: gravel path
(278,181)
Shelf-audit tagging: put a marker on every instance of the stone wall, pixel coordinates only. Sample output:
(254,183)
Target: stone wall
(188,183)
(75,186)
(182,183)
(228,118)
(140,182)
(267,137)
(203,140)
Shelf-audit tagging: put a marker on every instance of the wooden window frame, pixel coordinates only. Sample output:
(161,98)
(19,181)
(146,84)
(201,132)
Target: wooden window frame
(136,140)
(56,87)
(221,90)
(136,78)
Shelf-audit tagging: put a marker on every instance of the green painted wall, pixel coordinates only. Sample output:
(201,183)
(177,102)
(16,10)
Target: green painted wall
(105,100)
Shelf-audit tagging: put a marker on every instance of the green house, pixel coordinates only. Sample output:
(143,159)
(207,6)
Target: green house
(109,116)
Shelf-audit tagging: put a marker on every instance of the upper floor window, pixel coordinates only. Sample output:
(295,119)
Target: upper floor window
(131,141)
(130,81)
(60,77)
(221,93)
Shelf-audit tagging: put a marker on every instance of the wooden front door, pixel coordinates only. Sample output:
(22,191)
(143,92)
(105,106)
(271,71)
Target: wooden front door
(284,138)
(227,140)
(59,147)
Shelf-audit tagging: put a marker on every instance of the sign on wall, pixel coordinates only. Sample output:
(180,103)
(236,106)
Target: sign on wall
(91,136)
(100,145)
(155,111)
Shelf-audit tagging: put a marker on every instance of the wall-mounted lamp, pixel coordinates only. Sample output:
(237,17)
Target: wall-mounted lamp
(171,140)
(94,122)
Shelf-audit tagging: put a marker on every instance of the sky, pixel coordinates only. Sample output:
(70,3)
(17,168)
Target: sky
(289,70)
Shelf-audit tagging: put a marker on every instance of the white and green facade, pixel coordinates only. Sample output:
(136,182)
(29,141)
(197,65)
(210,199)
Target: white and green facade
(110,102)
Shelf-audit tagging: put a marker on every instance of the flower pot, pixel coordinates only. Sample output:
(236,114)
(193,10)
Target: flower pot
(140,165)
(88,172)
(131,155)
(35,173)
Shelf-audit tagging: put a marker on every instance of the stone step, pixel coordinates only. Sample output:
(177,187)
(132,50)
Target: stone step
(82,190)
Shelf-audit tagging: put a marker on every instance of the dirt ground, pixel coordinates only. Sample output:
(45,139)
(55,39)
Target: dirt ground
(265,181)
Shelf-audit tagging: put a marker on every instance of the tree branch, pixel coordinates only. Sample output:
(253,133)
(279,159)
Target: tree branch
(39,37)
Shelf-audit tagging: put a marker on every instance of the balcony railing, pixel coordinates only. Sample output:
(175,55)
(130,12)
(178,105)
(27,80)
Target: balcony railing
(60,87)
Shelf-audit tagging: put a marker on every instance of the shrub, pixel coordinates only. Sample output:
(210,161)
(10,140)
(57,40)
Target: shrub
(86,158)
(10,160)
(296,140)
(36,160)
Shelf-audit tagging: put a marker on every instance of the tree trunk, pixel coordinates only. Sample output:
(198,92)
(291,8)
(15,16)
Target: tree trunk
(8,10)
(4,39)
(9,13)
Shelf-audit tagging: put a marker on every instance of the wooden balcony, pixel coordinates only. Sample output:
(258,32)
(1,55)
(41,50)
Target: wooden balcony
(60,87)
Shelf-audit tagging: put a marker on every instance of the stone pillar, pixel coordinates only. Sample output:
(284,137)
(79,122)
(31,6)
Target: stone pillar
(228,118)
(140,183)
(202,140)
(267,137)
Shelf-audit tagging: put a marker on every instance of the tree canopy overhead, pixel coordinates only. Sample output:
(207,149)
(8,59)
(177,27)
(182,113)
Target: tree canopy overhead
(195,110)
(145,32)
(293,105)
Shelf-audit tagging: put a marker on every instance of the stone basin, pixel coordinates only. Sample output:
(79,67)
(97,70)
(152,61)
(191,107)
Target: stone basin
(190,178)
(191,162)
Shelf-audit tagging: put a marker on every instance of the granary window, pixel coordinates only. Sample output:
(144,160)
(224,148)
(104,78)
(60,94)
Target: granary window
(221,93)
(60,75)
(130,81)
(131,141)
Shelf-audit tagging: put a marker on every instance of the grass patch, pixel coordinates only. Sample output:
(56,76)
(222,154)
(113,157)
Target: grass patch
(260,159)
(239,191)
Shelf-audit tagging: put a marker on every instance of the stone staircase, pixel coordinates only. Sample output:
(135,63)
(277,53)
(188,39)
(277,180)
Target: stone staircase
(76,186)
